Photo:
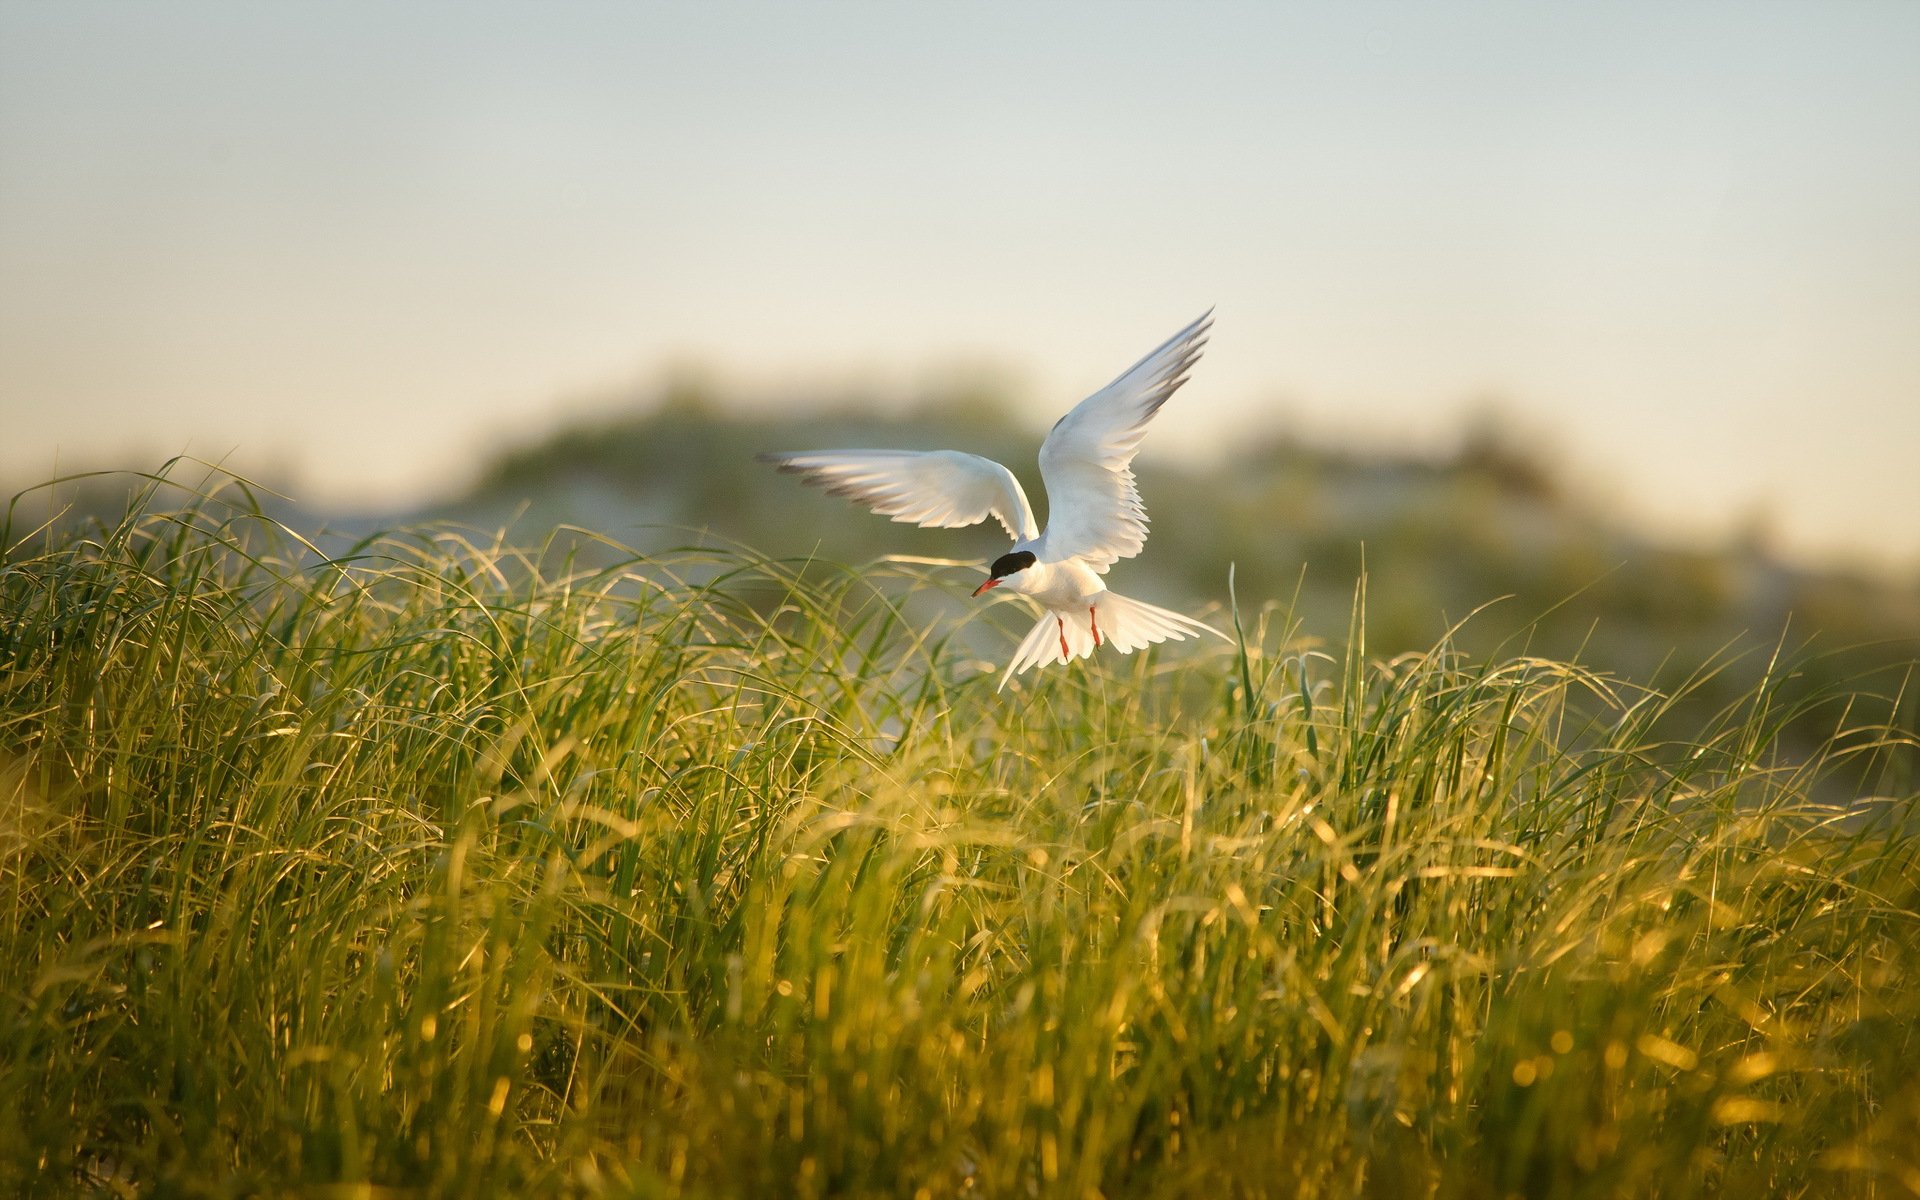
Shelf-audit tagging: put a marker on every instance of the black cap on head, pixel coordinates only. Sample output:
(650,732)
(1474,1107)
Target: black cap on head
(1007,564)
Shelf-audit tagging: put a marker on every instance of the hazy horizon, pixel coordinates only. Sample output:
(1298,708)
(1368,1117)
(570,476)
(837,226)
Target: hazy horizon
(1682,244)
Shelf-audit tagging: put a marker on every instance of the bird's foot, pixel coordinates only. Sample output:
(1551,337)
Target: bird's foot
(1065,654)
(1093,614)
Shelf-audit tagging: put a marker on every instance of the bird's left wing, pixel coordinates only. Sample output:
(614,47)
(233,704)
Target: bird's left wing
(939,488)
(1094,511)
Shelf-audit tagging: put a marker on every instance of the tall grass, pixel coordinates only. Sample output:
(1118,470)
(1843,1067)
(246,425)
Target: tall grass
(419,867)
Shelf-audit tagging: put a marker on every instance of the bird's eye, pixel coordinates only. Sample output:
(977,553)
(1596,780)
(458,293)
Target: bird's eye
(1007,564)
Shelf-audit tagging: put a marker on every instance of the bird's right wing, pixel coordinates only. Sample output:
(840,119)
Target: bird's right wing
(939,488)
(1094,511)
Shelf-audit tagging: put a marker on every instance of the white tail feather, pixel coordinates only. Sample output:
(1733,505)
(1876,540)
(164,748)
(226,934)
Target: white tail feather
(1126,625)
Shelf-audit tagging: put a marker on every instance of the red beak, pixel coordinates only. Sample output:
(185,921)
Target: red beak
(991,583)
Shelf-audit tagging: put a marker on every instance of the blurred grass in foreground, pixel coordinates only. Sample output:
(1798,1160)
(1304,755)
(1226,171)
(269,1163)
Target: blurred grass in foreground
(438,866)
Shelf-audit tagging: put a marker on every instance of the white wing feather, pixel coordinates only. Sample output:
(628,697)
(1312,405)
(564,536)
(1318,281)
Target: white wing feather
(942,489)
(1094,510)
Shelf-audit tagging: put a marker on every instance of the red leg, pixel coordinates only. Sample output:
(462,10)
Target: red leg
(1094,614)
(1065,655)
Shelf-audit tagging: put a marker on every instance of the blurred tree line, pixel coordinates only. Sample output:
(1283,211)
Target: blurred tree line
(1483,536)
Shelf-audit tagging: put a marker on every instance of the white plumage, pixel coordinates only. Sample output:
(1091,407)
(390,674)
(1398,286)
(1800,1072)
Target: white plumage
(1095,514)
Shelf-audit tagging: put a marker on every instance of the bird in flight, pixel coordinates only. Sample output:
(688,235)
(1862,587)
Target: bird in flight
(1095,515)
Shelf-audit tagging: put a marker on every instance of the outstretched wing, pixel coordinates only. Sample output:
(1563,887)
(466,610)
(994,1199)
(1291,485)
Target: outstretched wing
(940,488)
(1093,509)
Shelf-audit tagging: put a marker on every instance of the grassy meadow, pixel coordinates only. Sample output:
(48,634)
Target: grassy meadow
(439,866)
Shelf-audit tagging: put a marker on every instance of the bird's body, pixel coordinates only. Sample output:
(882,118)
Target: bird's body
(1067,585)
(1095,515)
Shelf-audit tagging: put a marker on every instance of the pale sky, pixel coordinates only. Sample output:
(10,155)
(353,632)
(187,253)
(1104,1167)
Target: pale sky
(368,241)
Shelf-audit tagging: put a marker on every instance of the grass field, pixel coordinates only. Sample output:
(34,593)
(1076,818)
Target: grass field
(421,869)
